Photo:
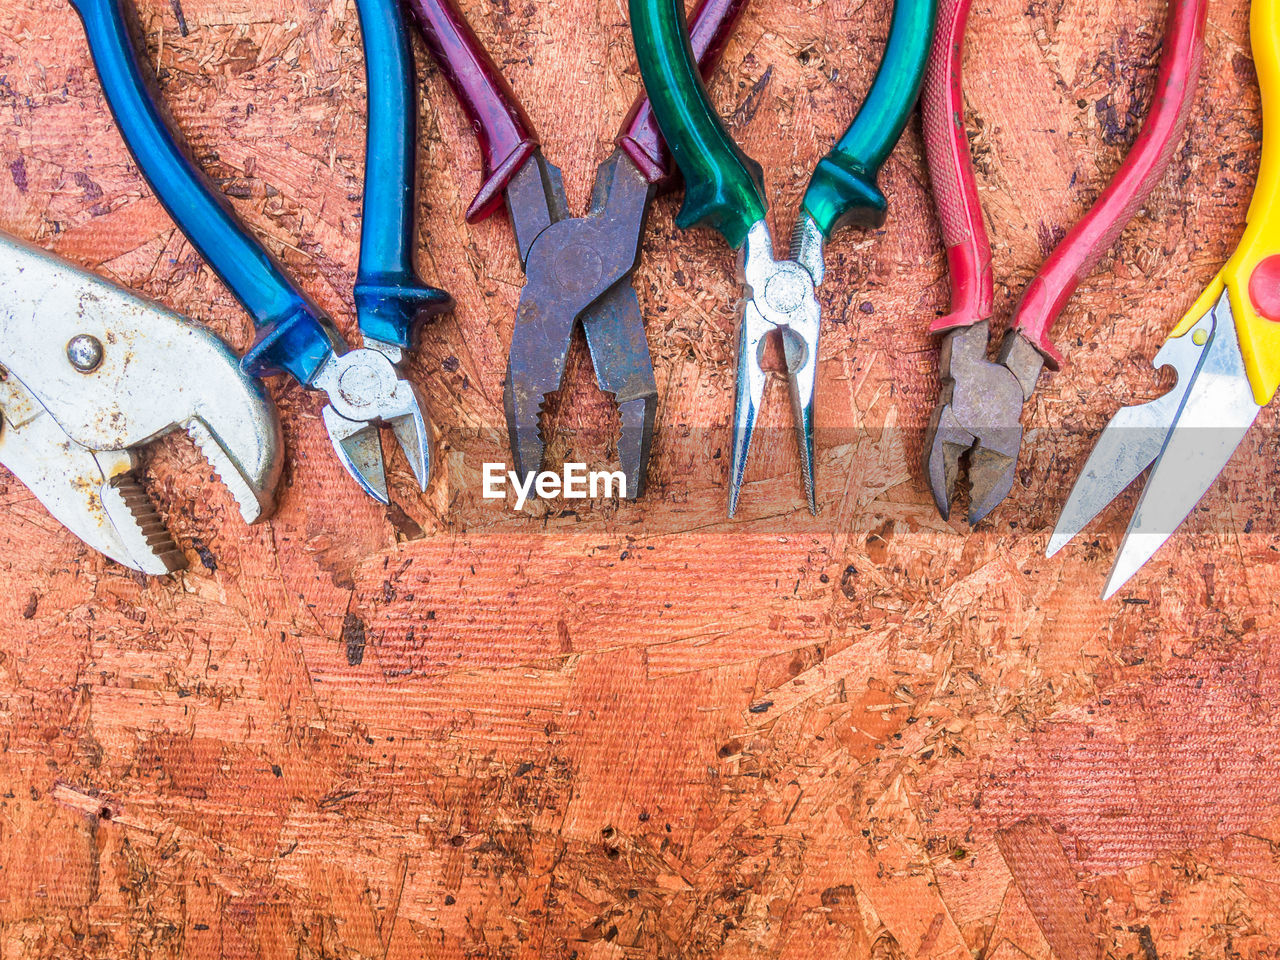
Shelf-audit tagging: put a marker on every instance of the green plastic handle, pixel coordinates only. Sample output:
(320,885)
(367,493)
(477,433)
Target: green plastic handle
(843,188)
(724,188)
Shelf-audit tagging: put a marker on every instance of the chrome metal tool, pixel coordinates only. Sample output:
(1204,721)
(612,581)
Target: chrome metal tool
(724,190)
(91,374)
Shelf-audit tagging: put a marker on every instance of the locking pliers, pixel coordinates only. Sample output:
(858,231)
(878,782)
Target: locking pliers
(89,374)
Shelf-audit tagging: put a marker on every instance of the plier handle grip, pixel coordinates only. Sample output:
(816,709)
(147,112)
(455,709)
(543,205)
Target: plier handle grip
(503,130)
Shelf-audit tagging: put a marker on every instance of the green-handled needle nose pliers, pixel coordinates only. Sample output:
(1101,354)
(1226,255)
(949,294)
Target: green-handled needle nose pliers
(724,190)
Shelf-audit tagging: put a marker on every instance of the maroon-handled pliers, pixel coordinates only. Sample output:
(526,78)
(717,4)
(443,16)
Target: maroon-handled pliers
(576,268)
(980,405)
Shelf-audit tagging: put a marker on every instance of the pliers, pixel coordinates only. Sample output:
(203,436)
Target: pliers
(724,190)
(577,269)
(1226,353)
(90,374)
(979,408)
(365,388)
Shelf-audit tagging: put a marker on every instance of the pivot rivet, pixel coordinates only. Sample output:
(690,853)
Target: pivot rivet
(85,352)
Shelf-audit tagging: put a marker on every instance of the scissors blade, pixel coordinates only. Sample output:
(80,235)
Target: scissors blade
(412,433)
(1134,437)
(1215,416)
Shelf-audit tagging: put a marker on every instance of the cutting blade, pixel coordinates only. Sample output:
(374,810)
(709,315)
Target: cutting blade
(1133,438)
(1214,418)
(359,448)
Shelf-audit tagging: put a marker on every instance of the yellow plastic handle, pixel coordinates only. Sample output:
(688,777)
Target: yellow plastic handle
(1252,275)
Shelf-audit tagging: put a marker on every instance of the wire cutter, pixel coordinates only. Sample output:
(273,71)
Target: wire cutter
(364,387)
(724,190)
(577,269)
(1226,353)
(91,374)
(979,409)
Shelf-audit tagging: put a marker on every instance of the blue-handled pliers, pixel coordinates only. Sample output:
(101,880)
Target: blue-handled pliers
(364,386)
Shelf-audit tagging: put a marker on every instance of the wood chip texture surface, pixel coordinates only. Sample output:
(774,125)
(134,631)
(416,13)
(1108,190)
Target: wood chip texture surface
(601,730)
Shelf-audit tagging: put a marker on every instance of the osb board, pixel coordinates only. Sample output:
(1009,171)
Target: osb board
(450,730)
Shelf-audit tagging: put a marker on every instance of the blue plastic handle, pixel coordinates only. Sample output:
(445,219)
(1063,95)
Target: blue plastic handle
(389,294)
(294,335)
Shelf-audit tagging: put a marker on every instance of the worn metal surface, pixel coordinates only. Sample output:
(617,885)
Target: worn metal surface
(578,271)
(619,731)
(90,374)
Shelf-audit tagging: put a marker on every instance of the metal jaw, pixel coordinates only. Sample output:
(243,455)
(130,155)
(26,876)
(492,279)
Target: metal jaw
(978,413)
(366,392)
(578,269)
(1186,437)
(95,373)
(781,295)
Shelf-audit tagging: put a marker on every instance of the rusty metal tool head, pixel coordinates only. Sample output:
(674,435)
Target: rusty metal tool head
(365,387)
(91,375)
(978,415)
(977,419)
(577,269)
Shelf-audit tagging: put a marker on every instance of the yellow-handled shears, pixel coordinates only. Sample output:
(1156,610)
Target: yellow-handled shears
(1226,352)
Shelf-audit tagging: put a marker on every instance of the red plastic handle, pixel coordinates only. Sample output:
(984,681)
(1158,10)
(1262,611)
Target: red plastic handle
(1077,255)
(955,190)
(506,135)
(640,138)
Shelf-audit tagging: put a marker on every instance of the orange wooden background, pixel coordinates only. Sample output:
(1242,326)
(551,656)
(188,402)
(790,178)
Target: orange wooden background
(449,730)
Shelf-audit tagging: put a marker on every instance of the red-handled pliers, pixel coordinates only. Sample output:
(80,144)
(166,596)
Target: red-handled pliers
(980,404)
